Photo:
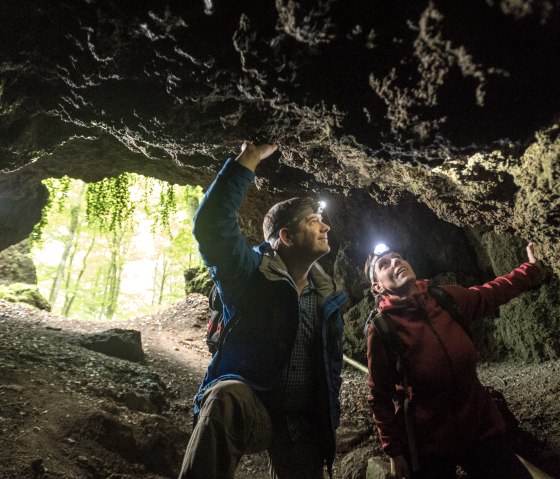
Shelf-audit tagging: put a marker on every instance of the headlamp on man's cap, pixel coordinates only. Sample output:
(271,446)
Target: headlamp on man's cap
(380,250)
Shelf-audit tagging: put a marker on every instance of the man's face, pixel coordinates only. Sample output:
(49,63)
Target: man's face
(311,236)
(394,275)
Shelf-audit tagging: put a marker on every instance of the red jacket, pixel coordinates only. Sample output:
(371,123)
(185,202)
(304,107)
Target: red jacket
(451,408)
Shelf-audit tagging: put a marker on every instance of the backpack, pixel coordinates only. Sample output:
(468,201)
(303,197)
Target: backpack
(394,350)
(216,321)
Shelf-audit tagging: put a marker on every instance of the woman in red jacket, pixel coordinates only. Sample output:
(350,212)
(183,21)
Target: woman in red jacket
(454,418)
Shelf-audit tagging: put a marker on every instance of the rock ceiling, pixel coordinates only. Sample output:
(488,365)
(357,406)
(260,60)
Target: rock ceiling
(449,104)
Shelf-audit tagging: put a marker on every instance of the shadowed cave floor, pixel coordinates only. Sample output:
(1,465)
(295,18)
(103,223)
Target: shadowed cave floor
(70,413)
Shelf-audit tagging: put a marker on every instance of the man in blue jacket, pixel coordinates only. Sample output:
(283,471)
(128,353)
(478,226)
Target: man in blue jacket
(274,382)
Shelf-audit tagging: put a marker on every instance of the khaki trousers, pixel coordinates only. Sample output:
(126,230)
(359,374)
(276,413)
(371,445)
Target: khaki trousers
(233,421)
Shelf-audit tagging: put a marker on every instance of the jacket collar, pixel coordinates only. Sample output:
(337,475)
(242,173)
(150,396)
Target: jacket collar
(274,269)
(407,305)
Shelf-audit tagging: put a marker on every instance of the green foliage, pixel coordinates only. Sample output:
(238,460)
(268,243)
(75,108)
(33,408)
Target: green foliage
(58,194)
(109,204)
(64,188)
(122,232)
(167,207)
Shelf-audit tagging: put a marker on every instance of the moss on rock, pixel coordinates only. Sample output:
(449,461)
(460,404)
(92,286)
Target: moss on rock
(24,293)
(198,280)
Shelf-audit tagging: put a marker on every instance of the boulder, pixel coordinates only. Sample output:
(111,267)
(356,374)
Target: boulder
(120,343)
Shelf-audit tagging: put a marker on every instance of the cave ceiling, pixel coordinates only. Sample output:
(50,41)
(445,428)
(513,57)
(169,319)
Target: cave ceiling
(451,104)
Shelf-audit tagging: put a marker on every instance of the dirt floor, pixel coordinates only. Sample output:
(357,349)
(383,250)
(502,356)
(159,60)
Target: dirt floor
(70,413)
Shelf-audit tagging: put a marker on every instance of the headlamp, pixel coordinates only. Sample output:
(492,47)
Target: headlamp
(381,249)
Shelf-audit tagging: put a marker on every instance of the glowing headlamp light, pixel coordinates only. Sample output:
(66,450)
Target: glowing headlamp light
(321,205)
(380,250)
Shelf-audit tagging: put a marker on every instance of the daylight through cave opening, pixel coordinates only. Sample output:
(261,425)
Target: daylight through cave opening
(117,248)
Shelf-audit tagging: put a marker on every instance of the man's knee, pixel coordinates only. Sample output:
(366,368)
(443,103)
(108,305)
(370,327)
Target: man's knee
(226,389)
(225,400)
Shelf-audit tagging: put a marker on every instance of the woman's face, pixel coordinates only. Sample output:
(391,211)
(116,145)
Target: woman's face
(394,275)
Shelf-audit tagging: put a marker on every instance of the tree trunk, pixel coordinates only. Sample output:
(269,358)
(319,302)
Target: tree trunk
(69,301)
(155,282)
(164,275)
(60,272)
(120,242)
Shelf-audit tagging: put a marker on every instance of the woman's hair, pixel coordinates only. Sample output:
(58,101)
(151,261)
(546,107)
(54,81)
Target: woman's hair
(369,267)
(371,261)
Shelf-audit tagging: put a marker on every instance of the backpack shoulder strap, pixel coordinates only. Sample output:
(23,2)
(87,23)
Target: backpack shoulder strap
(393,346)
(214,328)
(214,300)
(369,322)
(446,301)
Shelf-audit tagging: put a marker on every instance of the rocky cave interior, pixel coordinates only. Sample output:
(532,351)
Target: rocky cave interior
(430,125)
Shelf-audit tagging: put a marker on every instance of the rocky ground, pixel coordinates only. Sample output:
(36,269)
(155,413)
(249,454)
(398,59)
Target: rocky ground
(70,413)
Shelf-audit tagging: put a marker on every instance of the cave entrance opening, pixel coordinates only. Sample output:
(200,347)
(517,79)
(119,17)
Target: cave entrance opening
(117,248)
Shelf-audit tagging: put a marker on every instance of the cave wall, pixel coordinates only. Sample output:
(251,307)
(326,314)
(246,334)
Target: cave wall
(432,123)
(525,328)
(16,265)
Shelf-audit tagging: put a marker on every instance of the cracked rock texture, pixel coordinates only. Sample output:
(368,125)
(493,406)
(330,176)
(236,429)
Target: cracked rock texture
(433,125)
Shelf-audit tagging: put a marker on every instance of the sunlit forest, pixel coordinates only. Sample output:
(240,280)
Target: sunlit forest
(115,249)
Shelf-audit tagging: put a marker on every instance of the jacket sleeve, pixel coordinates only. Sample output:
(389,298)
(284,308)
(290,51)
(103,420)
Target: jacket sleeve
(479,301)
(381,393)
(222,246)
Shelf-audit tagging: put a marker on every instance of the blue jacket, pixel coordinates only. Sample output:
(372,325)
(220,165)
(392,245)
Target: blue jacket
(261,304)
